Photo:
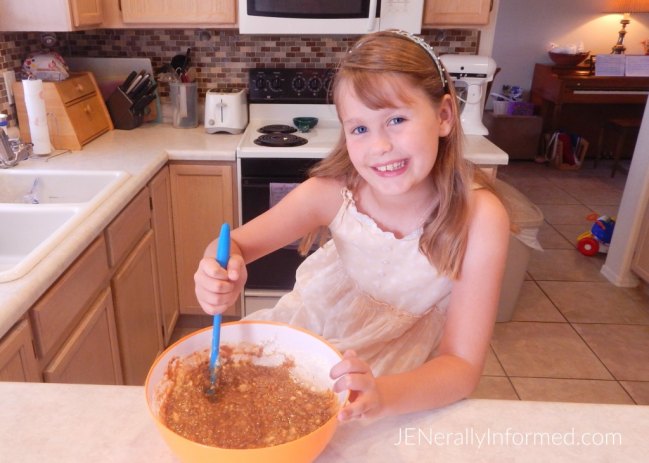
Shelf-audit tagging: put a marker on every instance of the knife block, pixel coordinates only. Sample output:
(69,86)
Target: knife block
(119,107)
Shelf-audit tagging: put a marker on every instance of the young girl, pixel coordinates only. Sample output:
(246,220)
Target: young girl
(408,285)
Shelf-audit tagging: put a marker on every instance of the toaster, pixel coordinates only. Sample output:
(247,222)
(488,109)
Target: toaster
(225,111)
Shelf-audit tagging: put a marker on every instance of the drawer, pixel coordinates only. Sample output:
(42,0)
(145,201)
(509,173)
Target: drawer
(54,314)
(127,229)
(88,118)
(75,87)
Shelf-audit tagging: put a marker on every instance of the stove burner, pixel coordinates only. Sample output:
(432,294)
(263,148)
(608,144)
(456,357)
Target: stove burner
(277,128)
(280,140)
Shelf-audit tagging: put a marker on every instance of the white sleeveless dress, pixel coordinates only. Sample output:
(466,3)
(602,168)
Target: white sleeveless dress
(368,291)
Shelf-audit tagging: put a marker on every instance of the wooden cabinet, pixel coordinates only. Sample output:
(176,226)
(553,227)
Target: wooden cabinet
(213,12)
(109,315)
(60,309)
(17,359)
(50,15)
(91,354)
(640,264)
(202,200)
(74,330)
(76,111)
(456,12)
(135,288)
(162,220)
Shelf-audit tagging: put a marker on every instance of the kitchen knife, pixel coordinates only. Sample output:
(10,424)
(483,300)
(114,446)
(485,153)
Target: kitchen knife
(136,80)
(126,84)
(140,89)
(143,102)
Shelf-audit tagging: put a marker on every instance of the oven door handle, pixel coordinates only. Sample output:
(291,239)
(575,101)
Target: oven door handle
(248,182)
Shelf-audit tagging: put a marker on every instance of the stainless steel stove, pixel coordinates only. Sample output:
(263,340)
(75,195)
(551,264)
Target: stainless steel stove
(266,173)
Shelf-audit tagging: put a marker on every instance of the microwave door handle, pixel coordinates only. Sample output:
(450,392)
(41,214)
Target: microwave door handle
(371,21)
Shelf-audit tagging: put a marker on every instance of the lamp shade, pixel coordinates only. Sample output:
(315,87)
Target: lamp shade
(626,6)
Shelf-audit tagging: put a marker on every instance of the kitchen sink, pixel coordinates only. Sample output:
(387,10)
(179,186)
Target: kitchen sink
(29,234)
(40,207)
(42,186)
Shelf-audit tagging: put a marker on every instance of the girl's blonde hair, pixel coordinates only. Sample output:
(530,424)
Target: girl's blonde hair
(370,68)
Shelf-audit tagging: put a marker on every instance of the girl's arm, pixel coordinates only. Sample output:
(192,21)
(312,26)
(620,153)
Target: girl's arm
(311,204)
(455,372)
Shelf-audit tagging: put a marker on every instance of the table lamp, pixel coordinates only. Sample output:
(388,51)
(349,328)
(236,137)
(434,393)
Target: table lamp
(626,7)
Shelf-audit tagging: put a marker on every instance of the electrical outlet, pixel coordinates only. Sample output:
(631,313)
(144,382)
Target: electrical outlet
(10,78)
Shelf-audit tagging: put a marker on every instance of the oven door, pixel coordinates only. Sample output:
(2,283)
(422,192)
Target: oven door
(263,183)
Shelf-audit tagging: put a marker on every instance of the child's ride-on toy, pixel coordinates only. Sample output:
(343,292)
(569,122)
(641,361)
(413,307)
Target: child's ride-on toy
(598,238)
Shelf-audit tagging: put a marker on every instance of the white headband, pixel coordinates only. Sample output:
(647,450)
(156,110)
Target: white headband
(423,44)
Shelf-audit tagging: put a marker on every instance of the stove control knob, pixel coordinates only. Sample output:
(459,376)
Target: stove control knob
(260,83)
(275,84)
(299,84)
(210,122)
(315,84)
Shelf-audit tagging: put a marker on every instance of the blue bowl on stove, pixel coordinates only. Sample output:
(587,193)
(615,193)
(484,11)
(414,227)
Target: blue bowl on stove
(304,124)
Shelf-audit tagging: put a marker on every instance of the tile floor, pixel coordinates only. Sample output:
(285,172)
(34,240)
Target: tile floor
(573,336)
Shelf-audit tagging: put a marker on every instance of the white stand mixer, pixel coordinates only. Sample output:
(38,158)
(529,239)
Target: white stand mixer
(475,72)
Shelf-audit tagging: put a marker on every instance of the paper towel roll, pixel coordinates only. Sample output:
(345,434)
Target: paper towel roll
(37,115)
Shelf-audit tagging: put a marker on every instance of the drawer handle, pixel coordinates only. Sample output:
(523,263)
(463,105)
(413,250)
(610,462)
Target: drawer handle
(87,109)
(79,88)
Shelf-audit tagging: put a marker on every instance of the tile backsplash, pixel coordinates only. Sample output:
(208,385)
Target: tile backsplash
(220,57)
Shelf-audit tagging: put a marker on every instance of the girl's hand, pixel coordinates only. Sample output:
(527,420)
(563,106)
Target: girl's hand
(354,374)
(217,289)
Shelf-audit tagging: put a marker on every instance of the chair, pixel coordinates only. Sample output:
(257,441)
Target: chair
(614,135)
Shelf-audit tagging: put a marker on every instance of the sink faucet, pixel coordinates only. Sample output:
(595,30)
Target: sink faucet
(12,152)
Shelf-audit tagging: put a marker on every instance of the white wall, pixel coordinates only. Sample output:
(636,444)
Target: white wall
(525,27)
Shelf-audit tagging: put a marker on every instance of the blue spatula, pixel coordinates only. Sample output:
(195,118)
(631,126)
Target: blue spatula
(222,257)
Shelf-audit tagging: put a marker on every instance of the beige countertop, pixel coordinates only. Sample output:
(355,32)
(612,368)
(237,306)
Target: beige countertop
(141,152)
(81,423)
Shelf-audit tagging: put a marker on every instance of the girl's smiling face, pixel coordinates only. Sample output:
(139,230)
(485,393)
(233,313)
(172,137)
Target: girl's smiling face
(393,148)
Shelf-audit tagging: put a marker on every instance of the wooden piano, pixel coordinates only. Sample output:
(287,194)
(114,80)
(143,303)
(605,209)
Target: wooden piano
(573,100)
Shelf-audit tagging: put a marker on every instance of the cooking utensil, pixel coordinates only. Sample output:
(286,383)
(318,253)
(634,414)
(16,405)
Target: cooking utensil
(32,196)
(143,102)
(135,81)
(222,257)
(127,82)
(180,63)
(140,89)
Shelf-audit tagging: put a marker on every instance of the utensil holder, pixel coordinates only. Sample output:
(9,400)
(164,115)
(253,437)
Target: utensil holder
(120,109)
(184,103)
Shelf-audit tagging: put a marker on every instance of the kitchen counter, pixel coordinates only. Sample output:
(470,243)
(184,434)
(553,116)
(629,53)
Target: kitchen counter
(80,423)
(141,152)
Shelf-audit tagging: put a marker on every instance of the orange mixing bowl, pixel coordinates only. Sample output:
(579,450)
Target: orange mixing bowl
(313,357)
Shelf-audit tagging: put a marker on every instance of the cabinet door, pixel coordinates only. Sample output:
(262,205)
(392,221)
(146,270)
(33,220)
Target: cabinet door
(456,12)
(91,354)
(86,12)
(50,15)
(137,309)
(160,189)
(179,11)
(201,198)
(17,359)
(640,262)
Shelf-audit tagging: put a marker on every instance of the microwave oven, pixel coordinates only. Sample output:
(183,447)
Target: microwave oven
(329,16)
